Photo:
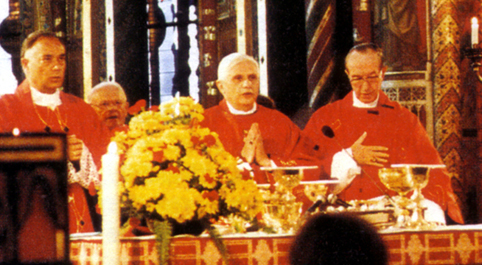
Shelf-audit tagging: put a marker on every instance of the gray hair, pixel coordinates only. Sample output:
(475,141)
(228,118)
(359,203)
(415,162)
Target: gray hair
(103,85)
(33,37)
(231,60)
(366,48)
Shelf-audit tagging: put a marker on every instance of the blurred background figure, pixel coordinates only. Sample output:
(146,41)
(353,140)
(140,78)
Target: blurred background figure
(338,239)
(110,102)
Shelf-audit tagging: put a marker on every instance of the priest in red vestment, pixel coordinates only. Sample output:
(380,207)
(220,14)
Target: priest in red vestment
(374,132)
(40,105)
(257,135)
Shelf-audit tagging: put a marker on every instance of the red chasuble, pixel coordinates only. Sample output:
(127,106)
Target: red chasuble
(18,111)
(280,137)
(390,125)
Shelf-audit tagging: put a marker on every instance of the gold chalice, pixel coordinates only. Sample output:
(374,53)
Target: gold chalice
(283,212)
(400,181)
(266,193)
(277,214)
(271,210)
(287,178)
(420,177)
(283,218)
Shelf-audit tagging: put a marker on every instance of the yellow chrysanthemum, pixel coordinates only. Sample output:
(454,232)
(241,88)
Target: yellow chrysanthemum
(178,170)
(237,199)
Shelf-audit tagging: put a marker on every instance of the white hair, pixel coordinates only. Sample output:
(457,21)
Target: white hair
(231,60)
(102,85)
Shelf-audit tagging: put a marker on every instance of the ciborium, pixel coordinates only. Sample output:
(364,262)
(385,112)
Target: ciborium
(419,175)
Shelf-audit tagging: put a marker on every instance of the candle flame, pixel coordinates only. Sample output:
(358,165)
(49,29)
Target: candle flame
(474,20)
(112,148)
(16,132)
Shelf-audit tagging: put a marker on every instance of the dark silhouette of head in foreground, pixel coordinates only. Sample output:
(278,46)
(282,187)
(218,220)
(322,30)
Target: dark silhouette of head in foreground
(338,239)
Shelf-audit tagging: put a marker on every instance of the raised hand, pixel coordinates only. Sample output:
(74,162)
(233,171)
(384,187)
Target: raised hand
(369,154)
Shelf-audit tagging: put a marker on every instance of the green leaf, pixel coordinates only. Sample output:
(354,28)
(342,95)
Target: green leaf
(163,232)
(219,243)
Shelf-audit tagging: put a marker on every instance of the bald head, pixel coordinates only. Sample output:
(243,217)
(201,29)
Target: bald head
(110,102)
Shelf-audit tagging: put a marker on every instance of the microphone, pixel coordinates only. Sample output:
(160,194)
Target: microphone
(315,205)
(328,132)
(332,199)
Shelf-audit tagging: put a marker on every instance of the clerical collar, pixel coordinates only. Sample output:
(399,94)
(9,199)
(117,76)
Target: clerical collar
(46,100)
(358,104)
(240,112)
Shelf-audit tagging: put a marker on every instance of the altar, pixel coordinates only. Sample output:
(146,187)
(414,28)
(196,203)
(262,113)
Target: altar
(461,244)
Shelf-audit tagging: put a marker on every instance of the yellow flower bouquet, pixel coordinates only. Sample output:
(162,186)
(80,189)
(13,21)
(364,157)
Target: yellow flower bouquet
(176,171)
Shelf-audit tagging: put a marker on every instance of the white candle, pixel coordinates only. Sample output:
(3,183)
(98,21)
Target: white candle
(177,110)
(110,206)
(475,32)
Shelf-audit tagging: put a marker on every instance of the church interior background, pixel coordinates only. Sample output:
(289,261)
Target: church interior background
(164,47)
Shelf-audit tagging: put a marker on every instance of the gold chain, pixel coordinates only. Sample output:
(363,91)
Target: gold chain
(78,216)
(59,119)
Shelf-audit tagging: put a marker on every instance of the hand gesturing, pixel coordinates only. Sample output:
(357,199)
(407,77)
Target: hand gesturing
(369,154)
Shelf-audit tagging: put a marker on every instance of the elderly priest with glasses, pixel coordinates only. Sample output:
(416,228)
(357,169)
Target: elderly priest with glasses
(375,132)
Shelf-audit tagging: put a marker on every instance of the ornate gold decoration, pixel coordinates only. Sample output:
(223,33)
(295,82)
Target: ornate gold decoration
(447,33)
(207,59)
(477,239)
(209,12)
(415,249)
(446,60)
(212,91)
(448,78)
(211,254)
(363,6)
(448,124)
(453,159)
(465,248)
(262,254)
(210,33)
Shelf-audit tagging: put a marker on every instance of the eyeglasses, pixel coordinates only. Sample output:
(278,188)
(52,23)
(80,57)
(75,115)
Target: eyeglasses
(371,79)
(107,104)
